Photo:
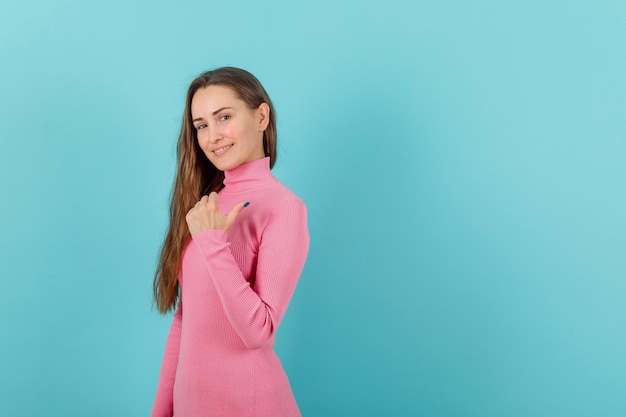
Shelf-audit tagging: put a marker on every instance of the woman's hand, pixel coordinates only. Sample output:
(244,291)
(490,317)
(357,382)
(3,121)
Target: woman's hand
(206,215)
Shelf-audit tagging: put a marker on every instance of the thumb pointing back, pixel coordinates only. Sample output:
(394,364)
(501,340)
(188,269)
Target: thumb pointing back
(232,214)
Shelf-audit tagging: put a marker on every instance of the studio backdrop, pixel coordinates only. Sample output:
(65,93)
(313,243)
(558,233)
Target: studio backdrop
(462,164)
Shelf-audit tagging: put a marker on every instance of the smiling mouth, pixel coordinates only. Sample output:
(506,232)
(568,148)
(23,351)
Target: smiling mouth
(221,151)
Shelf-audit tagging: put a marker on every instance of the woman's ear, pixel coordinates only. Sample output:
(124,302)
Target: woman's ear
(263,113)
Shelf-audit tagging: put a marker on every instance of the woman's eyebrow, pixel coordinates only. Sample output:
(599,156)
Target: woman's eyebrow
(220,109)
(197,119)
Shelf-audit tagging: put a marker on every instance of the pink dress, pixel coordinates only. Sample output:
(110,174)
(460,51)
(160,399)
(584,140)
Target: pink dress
(235,287)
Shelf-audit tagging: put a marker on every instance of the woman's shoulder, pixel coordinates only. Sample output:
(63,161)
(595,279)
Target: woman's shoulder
(276,203)
(278,194)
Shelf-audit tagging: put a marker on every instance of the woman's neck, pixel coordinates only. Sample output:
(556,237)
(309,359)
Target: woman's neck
(248,176)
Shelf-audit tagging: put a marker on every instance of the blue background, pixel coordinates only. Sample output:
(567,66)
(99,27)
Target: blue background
(463,165)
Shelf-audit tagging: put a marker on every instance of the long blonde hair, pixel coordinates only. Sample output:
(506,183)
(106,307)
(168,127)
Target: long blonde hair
(197,176)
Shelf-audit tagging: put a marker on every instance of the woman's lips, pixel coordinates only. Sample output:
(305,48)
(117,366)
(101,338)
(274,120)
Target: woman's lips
(222,150)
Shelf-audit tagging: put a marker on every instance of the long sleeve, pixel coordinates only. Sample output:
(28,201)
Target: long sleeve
(255,312)
(163,403)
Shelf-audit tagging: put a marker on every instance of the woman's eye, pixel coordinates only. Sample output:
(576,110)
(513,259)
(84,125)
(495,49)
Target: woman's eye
(224,117)
(201,126)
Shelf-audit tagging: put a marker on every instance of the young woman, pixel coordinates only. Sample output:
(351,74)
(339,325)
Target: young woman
(235,248)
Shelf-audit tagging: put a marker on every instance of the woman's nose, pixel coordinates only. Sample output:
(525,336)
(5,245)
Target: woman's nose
(214,134)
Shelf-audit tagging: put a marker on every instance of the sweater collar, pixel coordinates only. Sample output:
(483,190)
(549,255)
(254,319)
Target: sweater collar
(248,176)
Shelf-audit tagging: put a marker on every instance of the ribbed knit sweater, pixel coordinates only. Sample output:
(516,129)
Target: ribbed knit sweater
(235,287)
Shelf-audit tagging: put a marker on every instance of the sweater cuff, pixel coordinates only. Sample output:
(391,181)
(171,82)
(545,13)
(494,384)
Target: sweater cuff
(209,238)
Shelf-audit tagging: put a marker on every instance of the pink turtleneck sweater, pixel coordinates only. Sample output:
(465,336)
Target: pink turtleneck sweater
(235,287)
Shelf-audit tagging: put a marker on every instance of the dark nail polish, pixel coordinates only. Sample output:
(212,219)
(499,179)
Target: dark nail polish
(246,204)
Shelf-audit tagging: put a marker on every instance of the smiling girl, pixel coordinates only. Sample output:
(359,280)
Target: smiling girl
(233,253)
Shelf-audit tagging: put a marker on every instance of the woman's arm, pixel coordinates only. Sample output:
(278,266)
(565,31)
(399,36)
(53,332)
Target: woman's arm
(164,401)
(255,313)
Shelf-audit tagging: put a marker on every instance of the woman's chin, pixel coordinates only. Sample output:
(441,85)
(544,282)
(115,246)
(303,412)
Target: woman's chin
(223,165)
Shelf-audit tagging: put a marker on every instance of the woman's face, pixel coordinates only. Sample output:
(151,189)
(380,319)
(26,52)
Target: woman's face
(229,133)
